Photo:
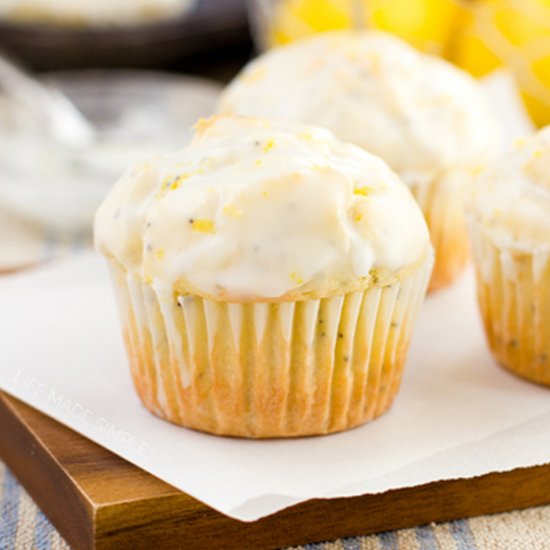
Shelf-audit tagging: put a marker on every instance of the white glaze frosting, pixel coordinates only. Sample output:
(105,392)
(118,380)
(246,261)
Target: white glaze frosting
(257,210)
(511,198)
(421,114)
(93,12)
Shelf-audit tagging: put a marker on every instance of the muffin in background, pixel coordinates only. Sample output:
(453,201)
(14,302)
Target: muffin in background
(509,218)
(268,277)
(426,118)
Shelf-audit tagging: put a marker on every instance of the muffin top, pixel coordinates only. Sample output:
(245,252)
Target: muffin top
(512,196)
(422,115)
(262,211)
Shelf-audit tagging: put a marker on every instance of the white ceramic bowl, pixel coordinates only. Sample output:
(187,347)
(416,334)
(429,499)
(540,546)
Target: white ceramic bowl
(138,114)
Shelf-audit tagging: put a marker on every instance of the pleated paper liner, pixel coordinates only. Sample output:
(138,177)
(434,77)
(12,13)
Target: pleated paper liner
(514,298)
(269,369)
(442,205)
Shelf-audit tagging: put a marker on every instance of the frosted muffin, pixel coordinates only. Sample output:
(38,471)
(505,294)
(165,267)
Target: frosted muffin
(268,277)
(426,118)
(510,229)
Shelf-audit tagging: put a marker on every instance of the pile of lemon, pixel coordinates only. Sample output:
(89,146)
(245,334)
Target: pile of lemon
(478,35)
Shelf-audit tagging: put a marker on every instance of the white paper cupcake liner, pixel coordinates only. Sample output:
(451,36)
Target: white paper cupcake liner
(269,369)
(442,205)
(514,299)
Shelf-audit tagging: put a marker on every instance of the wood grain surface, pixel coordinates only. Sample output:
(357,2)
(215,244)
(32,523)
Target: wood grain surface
(99,501)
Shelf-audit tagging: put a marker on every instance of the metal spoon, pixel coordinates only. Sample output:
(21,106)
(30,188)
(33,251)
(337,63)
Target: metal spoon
(50,107)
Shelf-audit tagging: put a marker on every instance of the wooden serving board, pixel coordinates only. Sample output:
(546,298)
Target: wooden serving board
(99,501)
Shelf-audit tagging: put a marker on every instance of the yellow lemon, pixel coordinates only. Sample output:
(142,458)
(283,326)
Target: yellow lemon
(515,33)
(425,23)
(293,19)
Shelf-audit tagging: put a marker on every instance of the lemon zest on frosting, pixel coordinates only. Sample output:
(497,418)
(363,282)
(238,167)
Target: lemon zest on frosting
(178,180)
(269,144)
(203,124)
(203,226)
(363,191)
(232,211)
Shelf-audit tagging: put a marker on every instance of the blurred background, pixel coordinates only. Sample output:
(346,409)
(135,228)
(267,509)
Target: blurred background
(87,88)
(478,35)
